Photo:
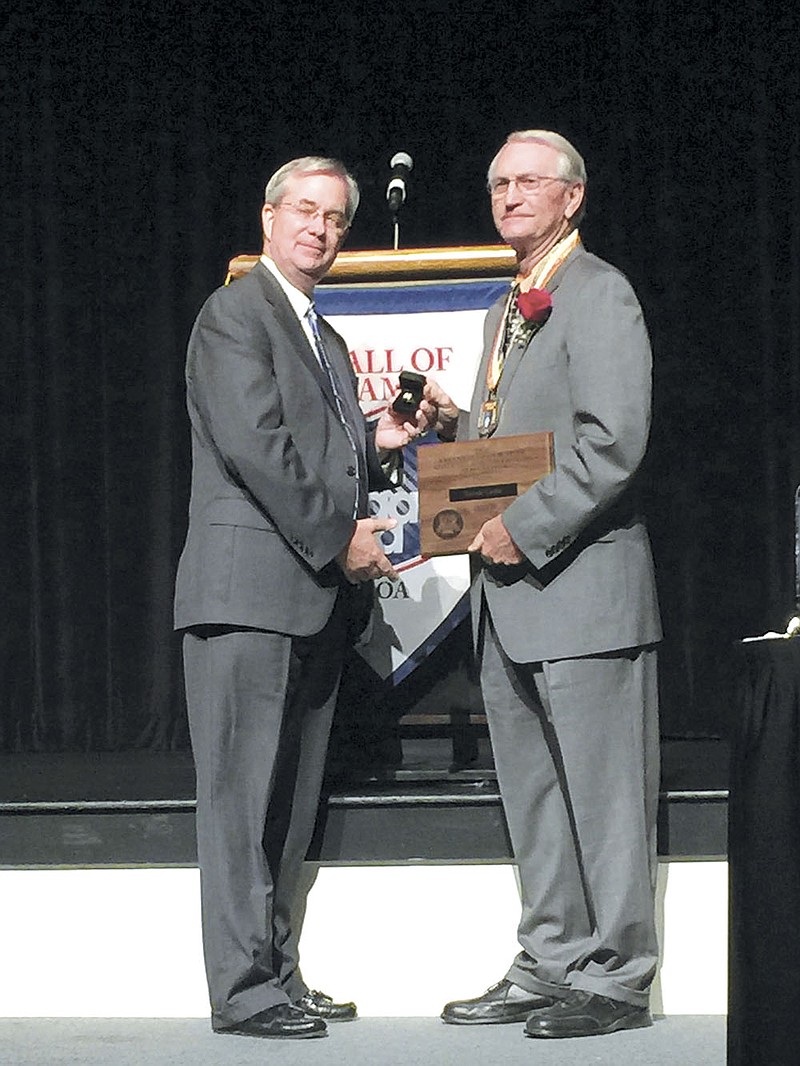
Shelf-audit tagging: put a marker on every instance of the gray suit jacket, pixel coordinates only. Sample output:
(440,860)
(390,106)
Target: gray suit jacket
(588,586)
(274,485)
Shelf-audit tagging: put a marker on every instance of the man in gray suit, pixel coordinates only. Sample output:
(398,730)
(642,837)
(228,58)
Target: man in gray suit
(269,590)
(566,613)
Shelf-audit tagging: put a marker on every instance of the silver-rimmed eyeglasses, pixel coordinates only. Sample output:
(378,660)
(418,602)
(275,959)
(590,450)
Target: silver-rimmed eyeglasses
(527,184)
(307,210)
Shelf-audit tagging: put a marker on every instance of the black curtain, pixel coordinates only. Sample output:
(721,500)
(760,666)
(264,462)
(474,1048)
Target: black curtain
(136,140)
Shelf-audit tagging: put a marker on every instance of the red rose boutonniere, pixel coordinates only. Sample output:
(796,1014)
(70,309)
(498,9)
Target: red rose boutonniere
(535,305)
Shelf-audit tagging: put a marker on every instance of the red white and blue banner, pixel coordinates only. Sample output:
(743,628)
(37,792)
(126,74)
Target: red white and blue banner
(436,329)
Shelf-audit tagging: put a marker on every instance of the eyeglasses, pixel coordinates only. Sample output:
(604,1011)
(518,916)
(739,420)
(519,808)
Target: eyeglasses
(527,184)
(307,209)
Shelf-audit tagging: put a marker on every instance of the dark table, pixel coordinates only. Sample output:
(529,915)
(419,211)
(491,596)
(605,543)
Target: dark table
(764,857)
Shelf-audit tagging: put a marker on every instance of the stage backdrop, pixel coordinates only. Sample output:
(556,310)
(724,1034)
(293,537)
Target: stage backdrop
(136,141)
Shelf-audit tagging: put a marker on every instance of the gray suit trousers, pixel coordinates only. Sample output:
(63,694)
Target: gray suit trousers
(576,749)
(260,709)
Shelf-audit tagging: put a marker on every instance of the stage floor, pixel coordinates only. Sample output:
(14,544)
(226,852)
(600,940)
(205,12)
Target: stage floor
(366,1042)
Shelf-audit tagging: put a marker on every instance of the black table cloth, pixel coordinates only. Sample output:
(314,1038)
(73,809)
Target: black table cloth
(764,857)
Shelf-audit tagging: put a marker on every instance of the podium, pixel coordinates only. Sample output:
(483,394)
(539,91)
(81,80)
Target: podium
(478,261)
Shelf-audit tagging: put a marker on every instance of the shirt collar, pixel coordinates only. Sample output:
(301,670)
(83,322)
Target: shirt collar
(299,301)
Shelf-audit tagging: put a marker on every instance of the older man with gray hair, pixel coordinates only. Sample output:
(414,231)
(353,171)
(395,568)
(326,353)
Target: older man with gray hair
(566,615)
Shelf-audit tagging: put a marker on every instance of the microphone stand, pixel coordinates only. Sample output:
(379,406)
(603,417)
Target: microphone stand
(394,206)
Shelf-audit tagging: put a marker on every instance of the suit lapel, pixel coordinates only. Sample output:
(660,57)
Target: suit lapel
(522,349)
(557,278)
(288,321)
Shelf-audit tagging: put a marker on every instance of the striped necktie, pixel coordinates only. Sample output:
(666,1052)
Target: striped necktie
(341,407)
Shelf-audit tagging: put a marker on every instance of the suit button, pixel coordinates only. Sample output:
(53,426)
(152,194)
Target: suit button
(351,471)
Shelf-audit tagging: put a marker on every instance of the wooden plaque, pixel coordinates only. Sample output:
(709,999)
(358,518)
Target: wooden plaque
(461,486)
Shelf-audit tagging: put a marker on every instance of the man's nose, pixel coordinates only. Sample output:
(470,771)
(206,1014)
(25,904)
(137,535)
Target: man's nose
(316,224)
(512,196)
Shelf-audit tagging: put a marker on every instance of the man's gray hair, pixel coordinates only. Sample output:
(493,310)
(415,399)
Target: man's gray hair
(571,166)
(313,164)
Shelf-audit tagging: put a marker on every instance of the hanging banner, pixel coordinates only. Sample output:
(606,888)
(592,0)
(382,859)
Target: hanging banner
(436,329)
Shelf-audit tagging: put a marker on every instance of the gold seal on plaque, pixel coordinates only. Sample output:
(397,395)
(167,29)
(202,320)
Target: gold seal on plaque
(447,524)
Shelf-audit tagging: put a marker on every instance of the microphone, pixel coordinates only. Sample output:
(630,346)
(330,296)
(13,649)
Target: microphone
(402,164)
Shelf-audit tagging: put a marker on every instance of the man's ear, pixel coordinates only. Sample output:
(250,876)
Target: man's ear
(576,194)
(267,218)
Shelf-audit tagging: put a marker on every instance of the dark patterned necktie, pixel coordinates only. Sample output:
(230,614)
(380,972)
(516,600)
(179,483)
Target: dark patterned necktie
(341,406)
(514,322)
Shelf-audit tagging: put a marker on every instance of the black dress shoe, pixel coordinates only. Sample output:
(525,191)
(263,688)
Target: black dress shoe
(282,1021)
(587,1014)
(319,1005)
(503,1002)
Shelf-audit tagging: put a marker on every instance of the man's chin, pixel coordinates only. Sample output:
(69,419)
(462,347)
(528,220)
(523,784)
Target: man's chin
(316,267)
(515,239)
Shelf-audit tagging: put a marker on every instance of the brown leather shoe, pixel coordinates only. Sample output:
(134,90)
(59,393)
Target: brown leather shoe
(586,1014)
(318,1005)
(281,1021)
(502,1003)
